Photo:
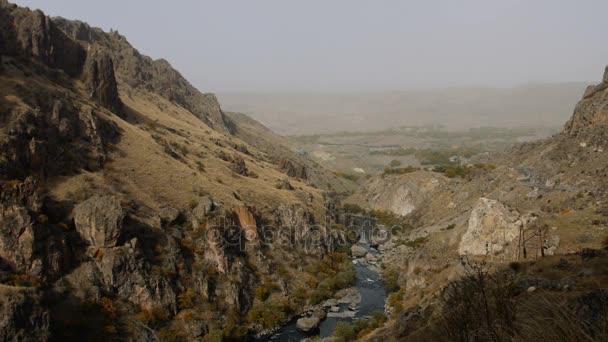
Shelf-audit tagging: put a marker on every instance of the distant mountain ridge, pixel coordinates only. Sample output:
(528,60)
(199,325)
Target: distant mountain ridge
(526,105)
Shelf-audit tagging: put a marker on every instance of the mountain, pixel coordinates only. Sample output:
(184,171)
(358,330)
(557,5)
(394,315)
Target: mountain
(529,224)
(133,207)
(455,108)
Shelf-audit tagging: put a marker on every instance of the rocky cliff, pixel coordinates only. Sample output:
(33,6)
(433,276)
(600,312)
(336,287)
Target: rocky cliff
(131,207)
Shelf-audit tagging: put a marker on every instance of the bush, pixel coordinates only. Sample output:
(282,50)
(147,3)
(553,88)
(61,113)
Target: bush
(345,331)
(395,163)
(391,280)
(400,170)
(348,176)
(353,208)
(270,313)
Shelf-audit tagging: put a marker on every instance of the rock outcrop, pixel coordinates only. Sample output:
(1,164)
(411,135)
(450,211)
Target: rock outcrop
(492,229)
(142,72)
(99,79)
(28,34)
(99,221)
(590,117)
(292,169)
(238,166)
(400,194)
(22,317)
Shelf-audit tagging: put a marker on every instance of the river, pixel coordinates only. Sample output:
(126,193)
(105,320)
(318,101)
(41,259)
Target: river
(373,295)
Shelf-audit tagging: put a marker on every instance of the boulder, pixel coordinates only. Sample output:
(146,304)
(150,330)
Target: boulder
(493,229)
(203,208)
(99,220)
(330,302)
(238,166)
(307,324)
(284,185)
(168,215)
(358,251)
(370,257)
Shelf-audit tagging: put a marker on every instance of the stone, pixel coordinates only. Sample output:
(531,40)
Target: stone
(358,251)
(330,302)
(335,309)
(493,229)
(99,220)
(203,208)
(307,324)
(531,289)
(168,214)
(284,185)
(238,166)
(370,257)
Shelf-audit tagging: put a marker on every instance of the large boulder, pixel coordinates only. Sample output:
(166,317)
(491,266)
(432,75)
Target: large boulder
(358,251)
(203,207)
(99,220)
(493,229)
(238,166)
(307,324)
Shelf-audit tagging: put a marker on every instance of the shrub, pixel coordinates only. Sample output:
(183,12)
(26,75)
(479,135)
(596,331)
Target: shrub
(400,170)
(270,313)
(348,176)
(391,280)
(345,331)
(395,163)
(450,226)
(353,208)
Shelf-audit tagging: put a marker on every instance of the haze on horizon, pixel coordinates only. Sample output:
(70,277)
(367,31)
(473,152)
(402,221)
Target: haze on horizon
(357,46)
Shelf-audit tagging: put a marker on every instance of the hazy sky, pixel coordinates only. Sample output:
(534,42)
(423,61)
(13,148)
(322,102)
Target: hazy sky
(358,45)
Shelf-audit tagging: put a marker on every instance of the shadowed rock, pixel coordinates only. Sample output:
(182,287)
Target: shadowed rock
(98,75)
(99,220)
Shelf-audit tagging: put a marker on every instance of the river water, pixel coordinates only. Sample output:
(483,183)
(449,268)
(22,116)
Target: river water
(373,295)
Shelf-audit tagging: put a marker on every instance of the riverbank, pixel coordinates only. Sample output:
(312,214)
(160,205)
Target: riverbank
(368,295)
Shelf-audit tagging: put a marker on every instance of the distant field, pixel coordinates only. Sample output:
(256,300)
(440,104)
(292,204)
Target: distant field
(371,152)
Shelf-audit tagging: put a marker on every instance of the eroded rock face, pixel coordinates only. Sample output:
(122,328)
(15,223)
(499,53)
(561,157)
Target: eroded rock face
(22,317)
(99,220)
(401,194)
(493,229)
(292,169)
(126,273)
(16,238)
(98,74)
(32,34)
(590,116)
(142,72)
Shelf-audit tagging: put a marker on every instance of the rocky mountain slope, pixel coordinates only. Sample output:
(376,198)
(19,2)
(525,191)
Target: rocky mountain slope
(540,199)
(132,206)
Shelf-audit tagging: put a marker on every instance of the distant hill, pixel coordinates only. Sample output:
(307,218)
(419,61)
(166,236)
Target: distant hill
(533,104)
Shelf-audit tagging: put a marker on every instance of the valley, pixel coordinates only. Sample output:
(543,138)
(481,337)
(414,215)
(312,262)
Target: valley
(134,207)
